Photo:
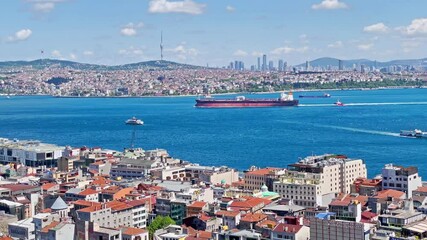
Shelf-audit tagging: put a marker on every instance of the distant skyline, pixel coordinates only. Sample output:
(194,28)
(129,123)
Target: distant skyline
(213,32)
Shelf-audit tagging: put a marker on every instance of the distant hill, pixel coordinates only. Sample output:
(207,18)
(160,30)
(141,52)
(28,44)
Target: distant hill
(44,63)
(328,61)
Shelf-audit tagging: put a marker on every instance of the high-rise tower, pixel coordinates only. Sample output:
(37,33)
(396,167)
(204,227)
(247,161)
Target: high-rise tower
(161,46)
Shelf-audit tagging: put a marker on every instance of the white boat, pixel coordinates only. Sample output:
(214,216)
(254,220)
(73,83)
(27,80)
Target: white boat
(134,121)
(416,133)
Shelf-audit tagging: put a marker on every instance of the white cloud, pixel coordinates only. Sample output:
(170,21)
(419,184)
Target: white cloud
(257,54)
(286,50)
(56,54)
(337,44)
(365,47)
(43,6)
(230,8)
(240,53)
(73,56)
(131,29)
(131,51)
(20,35)
(417,27)
(329,5)
(128,31)
(376,28)
(185,6)
(88,53)
(182,52)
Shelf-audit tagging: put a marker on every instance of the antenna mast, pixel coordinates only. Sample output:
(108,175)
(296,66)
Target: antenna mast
(161,46)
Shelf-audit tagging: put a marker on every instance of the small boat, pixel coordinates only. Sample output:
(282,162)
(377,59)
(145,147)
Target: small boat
(325,95)
(338,103)
(134,121)
(416,133)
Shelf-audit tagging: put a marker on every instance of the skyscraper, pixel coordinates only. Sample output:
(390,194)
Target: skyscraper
(307,65)
(236,65)
(259,64)
(270,66)
(264,62)
(340,65)
(280,66)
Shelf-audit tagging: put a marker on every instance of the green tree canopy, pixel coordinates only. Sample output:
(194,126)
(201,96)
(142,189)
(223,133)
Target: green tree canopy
(158,223)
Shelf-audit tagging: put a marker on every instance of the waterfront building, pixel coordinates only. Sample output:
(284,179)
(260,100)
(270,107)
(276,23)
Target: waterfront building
(29,153)
(315,180)
(401,178)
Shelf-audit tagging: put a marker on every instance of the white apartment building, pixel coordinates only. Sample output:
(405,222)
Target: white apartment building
(401,179)
(315,180)
(29,153)
(115,214)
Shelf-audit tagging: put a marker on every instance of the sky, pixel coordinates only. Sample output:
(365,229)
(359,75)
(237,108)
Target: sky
(213,32)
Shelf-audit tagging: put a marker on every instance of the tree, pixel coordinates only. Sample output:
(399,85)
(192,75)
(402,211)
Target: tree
(158,223)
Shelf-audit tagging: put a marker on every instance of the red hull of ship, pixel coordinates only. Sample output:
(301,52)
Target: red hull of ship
(243,104)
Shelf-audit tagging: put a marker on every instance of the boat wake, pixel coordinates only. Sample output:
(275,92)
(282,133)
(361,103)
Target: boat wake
(360,130)
(364,104)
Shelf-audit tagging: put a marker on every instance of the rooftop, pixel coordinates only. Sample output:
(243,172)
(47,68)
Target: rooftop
(288,228)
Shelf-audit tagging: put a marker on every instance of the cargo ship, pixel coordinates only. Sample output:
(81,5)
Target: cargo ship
(325,95)
(285,100)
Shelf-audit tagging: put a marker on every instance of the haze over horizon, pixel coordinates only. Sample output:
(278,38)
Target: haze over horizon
(212,32)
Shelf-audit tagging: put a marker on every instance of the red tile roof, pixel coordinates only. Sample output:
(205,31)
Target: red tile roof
(263,171)
(50,226)
(86,203)
(86,192)
(421,189)
(288,228)
(48,186)
(198,204)
(227,213)
(389,193)
(18,187)
(253,217)
(132,231)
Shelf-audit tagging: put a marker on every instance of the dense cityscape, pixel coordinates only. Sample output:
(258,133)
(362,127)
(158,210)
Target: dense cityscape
(48,192)
(58,80)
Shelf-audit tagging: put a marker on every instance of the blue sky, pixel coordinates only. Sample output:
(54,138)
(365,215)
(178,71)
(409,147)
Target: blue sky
(212,32)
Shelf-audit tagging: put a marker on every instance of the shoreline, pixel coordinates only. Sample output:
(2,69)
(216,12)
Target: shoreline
(222,94)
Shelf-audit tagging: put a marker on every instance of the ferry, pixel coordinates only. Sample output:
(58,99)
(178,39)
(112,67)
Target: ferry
(416,133)
(134,121)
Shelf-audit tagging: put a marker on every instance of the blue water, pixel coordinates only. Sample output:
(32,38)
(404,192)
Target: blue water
(366,128)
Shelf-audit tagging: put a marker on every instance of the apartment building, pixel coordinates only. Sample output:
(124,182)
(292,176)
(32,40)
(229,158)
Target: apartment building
(315,180)
(401,179)
(29,153)
(115,214)
(255,178)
